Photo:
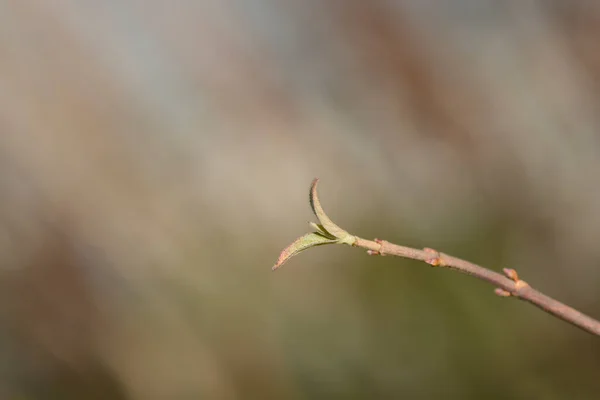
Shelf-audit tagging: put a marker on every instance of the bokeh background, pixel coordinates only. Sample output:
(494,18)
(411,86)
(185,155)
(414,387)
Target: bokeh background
(156,156)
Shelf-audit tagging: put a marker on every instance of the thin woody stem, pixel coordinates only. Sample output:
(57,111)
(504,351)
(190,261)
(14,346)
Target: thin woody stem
(507,285)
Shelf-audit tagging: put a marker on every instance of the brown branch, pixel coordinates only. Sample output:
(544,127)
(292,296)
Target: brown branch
(506,285)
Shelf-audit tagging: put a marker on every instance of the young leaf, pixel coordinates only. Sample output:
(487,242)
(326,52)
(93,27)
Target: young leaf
(326,223)
(302,243)
(321,230)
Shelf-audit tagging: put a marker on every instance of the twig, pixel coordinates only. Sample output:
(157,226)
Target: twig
(507,285)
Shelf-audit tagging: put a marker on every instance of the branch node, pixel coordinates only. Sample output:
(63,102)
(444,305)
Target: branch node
(380,250)
(511,274)
(436,258)
(520,284)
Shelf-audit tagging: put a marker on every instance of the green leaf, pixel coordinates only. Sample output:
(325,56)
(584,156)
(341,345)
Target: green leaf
(326,223)
(326,232)
(321,229)
(302,243)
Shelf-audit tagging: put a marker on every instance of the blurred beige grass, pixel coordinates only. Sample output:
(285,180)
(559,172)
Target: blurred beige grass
(155,157)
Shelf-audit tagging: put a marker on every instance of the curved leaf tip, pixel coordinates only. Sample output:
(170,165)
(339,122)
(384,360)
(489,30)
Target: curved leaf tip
(326,223)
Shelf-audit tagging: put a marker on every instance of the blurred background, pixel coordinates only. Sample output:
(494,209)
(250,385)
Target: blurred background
(155,157)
